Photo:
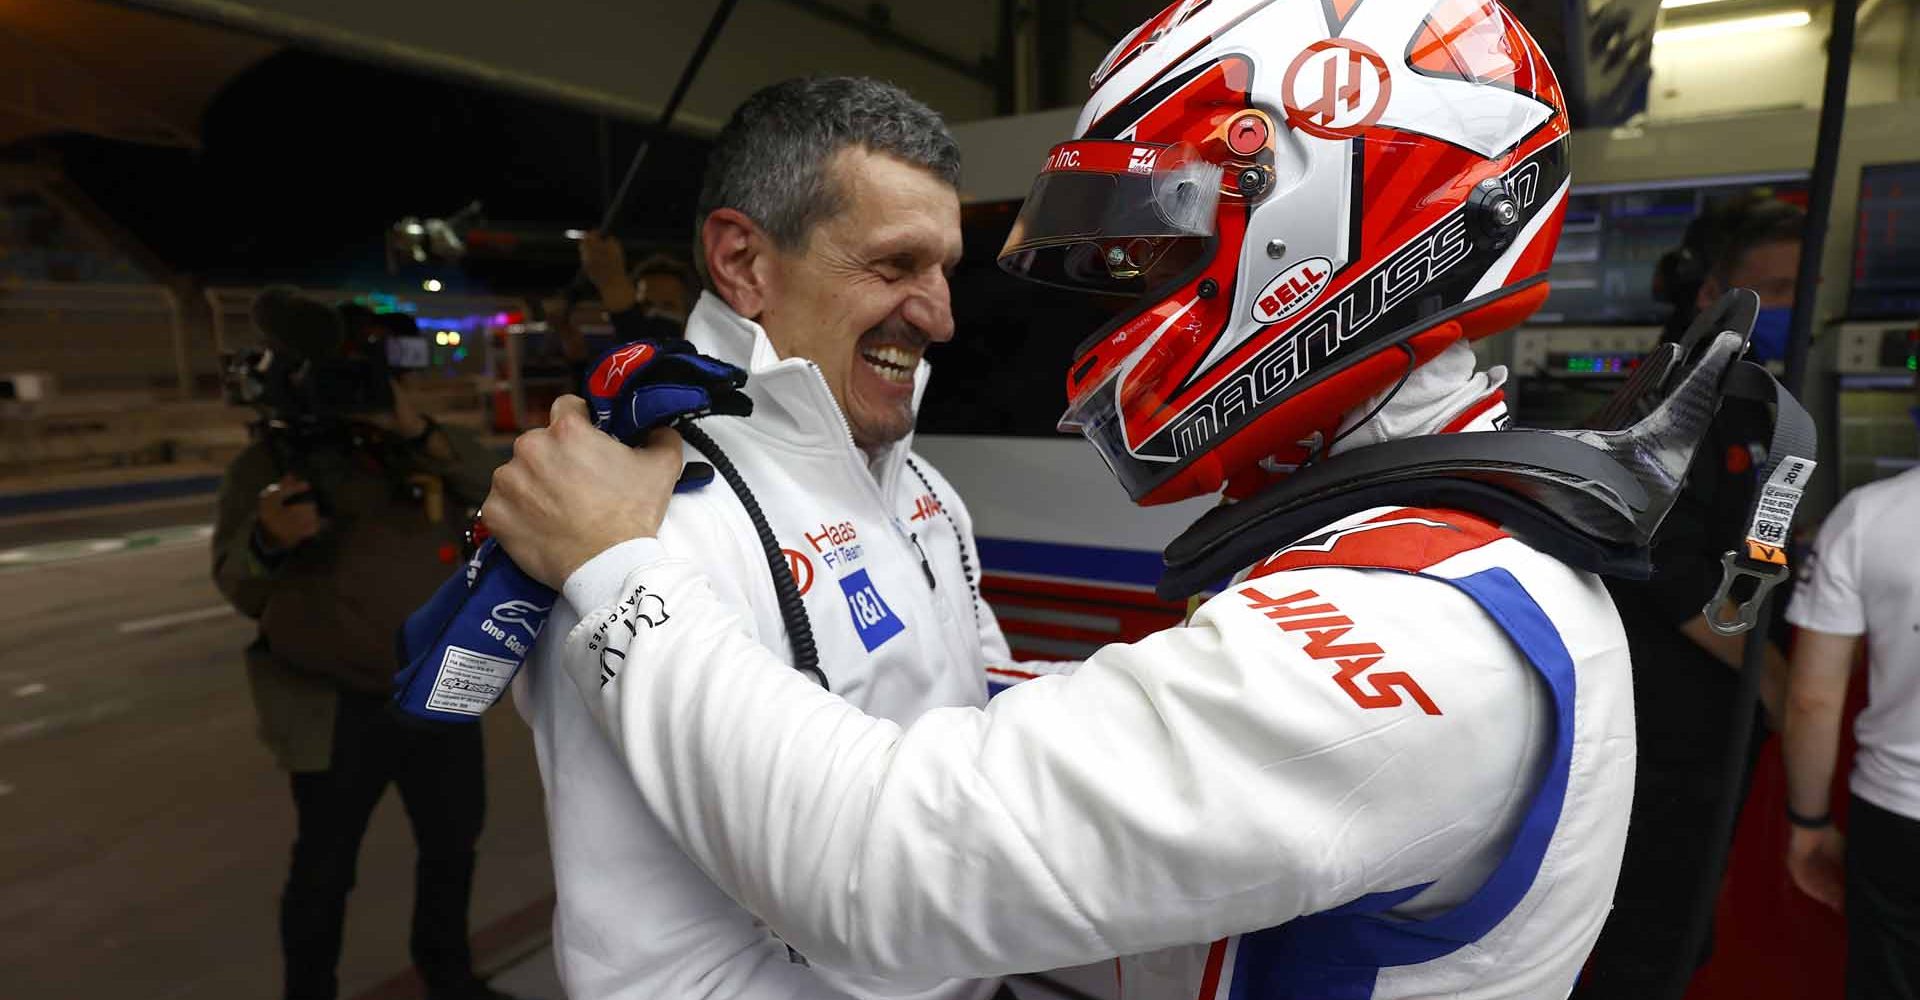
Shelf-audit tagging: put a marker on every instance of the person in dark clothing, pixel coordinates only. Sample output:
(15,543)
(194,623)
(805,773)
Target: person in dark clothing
(330,540)
(650,302)
(1686,676)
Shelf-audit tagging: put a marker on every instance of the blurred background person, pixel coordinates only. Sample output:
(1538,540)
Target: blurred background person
(1685,675)
(659,289)
(1862,583)
(650,302)
(341,518)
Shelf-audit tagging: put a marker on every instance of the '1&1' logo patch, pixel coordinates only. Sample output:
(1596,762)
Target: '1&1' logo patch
(872,618)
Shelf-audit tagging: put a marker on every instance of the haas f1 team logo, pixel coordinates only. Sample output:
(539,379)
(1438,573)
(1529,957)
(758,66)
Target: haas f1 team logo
(802,569)
(1336,88)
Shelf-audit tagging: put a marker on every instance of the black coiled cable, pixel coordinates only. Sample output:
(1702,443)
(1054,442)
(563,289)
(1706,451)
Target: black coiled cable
(966,564)
(806,657)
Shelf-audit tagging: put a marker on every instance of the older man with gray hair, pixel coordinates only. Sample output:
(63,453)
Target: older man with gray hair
(827,225)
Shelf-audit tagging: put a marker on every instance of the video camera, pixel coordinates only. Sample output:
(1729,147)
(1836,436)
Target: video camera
(321,364)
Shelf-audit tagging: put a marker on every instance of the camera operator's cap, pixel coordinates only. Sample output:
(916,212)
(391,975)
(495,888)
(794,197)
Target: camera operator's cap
(298,325)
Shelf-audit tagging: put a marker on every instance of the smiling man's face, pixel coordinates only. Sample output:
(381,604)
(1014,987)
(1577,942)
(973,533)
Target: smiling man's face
(867,293)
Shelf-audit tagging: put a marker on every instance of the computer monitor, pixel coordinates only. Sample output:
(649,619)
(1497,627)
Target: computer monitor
(1615,234)
(1886,244)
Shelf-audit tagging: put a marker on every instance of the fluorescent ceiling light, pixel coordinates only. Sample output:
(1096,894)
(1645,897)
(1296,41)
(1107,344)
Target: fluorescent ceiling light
(1671,4)
(1734,26)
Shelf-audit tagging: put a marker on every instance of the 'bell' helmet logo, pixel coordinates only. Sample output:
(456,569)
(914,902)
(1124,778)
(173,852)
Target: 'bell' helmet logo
(1292,290)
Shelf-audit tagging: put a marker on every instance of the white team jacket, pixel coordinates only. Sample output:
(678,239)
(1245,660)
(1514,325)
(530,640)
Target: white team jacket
(635,920)
(1409,779)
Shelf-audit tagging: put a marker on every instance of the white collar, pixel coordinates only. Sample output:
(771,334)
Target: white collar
(1435,395)
(785,406)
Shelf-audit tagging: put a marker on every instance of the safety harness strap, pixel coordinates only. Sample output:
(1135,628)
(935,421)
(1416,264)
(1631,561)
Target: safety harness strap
(1759,563)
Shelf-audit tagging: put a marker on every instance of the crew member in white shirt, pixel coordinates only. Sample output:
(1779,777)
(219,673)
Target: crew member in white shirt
(1863,583)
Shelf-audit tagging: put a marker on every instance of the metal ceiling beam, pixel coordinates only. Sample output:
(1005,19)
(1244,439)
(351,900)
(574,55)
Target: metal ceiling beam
(877,25)
(1053,53)
(49,85)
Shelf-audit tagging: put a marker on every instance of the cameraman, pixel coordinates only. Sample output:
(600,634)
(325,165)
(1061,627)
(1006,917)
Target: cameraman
(342,517)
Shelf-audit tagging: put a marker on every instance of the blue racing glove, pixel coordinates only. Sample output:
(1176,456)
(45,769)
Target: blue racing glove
(639,386)
(460,650)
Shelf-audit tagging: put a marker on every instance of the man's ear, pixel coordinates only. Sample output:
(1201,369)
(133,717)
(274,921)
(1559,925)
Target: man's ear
(739,254)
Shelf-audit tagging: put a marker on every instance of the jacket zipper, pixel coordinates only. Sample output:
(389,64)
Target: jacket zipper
(925,567)
(862,472)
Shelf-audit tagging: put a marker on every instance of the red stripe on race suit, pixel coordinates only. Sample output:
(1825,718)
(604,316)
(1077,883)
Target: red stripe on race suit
(1472,413)
(1210,980)
(1409,539)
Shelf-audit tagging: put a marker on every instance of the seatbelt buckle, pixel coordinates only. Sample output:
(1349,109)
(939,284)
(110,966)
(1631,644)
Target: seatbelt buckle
(1765,574)
(1765,560)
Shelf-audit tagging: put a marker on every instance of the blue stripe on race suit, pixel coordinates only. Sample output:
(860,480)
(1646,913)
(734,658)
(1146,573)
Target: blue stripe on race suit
(1338,954)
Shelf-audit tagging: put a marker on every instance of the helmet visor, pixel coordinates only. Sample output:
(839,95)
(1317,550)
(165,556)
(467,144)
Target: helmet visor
(1111,216)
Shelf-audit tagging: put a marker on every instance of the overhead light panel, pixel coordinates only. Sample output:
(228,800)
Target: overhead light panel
(1671,4)
(1734,26)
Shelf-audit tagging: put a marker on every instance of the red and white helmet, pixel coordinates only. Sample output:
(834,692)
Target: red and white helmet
(1293,189)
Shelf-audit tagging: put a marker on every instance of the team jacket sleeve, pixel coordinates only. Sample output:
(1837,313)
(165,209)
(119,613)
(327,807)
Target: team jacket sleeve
(1177,790)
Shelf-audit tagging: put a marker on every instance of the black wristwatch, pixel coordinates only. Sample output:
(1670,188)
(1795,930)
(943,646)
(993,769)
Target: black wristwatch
(1825,819)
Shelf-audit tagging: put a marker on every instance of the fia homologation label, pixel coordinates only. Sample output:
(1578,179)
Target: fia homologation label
(469,682)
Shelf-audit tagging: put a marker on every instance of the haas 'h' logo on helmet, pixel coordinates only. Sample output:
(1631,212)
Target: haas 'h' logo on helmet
(1336,88)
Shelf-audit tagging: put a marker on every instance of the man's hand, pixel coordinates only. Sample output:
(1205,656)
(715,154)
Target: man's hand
(1816,858)
(288,515)
(605,264)
(407,420)
(571,492)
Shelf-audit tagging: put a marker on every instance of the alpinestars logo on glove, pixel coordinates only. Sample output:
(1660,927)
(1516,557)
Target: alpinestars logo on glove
(613,371)
(514,613)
